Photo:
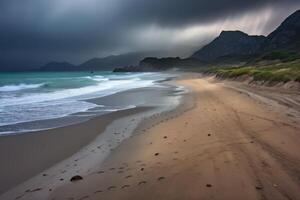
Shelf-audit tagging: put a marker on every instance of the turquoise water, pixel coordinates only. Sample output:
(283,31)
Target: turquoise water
(27,97)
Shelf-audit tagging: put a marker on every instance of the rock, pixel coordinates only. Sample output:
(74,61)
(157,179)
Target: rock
(76,178)
(259,187)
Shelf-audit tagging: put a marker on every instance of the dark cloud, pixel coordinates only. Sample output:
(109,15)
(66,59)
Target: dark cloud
(33,32)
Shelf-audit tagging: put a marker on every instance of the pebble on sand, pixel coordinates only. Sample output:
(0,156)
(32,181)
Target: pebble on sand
(76,178)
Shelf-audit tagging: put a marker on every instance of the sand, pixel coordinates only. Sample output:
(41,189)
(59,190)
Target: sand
(224,142)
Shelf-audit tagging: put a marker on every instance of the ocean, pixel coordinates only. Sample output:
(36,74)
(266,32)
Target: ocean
(35,96)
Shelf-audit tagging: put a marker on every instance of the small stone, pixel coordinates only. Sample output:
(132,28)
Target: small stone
(208,185)
(258,187)
(76,178)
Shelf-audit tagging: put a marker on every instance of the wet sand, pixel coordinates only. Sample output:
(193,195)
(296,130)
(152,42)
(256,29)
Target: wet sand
(48,158)
(222,143)
(225,145)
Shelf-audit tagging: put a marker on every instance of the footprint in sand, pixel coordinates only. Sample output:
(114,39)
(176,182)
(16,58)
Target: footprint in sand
(35,190)
(142,182)
(129,176)
(125,186)
(111,187)
(98,191)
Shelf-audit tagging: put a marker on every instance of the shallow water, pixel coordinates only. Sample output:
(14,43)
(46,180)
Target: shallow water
(35,96)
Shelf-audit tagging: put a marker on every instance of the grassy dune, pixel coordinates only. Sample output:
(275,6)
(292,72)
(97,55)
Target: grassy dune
(275,67)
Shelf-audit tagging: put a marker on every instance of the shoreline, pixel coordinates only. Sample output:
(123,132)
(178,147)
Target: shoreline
(225,136)
(218,134)
(55,146)
(88,105)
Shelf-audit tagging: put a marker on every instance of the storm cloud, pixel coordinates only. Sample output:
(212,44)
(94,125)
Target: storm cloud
(33,32)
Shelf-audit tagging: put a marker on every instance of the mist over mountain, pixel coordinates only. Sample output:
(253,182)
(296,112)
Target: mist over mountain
(235,47)
(236,44)
(229,46)
(107,63)
(113,61)
(286,36)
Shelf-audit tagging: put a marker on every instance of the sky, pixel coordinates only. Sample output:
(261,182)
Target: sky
(34,32)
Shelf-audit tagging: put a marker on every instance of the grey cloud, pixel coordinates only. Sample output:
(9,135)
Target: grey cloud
(33,32)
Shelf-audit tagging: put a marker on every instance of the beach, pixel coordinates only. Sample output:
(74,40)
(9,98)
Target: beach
(223,141)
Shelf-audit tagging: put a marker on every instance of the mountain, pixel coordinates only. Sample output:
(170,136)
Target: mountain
(230,43)
(111,62)
(169,62)
(286,36)
(59,66)
(236,46)
(103,64)
(160,64)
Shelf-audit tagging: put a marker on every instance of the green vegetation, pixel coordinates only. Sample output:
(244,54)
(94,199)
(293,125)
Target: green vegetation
(284,56)
(272,72)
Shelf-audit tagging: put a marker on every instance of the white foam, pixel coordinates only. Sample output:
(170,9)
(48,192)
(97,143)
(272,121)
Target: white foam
(22,86)
(108,87)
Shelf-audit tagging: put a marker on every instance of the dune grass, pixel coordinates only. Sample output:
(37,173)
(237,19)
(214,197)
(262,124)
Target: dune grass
(278,72)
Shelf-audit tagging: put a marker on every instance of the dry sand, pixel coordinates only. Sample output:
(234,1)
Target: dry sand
(222,144)
(225,142)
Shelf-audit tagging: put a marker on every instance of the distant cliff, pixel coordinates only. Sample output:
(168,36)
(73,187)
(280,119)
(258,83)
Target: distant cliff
(237,45)
(286,36)
(230,43)
(102,64)
(230,47)
(110,62)
(59,66)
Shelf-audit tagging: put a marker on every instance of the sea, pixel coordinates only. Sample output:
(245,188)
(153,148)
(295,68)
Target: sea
(34,96)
